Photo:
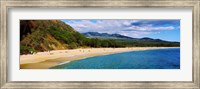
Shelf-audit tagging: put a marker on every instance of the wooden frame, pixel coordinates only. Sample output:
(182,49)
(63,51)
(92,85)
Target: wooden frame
(7,4)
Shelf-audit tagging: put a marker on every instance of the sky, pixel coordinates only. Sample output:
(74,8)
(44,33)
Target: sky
(168,30)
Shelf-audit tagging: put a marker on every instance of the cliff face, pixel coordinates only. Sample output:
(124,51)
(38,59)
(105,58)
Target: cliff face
(45,35)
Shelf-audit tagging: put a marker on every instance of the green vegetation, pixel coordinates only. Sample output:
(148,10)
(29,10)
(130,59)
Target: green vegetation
(47,35)
(26,50)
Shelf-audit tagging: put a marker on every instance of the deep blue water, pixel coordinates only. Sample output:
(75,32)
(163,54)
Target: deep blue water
(148,59)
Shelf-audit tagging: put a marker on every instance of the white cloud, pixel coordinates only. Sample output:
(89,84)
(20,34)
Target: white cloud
(123,27)
(150,28)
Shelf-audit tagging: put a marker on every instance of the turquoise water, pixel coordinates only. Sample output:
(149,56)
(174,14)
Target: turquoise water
(147,59)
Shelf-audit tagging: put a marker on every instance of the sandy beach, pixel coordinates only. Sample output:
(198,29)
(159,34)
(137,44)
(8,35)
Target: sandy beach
(45,60)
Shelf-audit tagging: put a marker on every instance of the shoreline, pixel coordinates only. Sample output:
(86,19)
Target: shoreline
(45,60)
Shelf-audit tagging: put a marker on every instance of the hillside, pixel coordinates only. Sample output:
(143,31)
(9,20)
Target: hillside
(45,35)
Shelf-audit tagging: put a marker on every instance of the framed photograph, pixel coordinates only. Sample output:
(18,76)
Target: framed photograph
(100,44)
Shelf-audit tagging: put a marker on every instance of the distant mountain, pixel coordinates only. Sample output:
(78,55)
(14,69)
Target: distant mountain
(105,35)
(118,36)
(125,41)
(150,39)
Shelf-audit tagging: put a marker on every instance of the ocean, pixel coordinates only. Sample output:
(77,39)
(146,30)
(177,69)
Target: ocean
(166,58)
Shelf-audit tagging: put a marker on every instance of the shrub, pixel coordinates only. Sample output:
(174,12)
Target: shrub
(72,45)
(27,50)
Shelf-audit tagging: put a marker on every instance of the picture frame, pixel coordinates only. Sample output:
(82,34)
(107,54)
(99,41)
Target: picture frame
(4,45)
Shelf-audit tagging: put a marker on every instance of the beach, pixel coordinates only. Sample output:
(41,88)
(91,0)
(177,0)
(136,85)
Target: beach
(45,60)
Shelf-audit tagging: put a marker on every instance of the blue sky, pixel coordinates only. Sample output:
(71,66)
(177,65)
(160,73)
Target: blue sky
(159,29)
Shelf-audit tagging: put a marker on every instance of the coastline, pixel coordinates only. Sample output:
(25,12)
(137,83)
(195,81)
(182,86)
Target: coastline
(45,60)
